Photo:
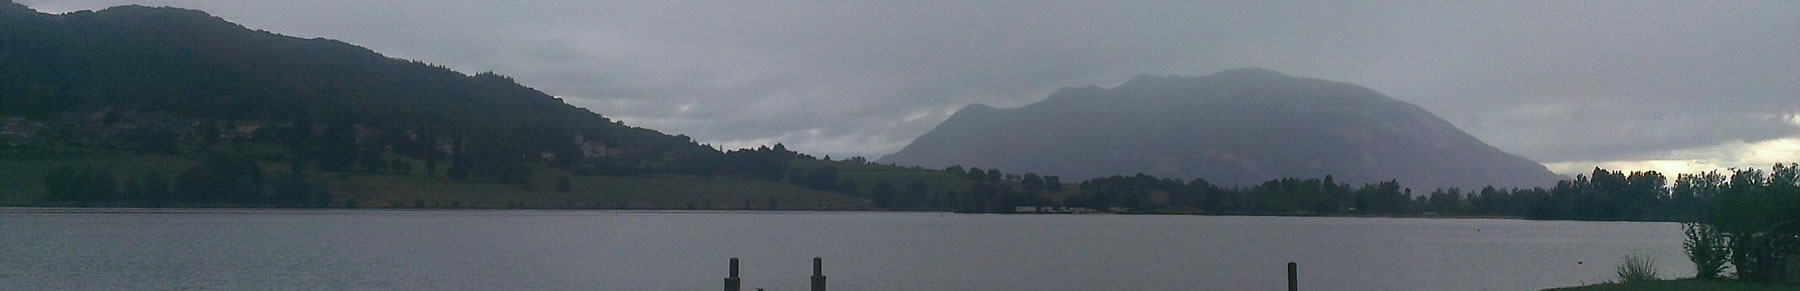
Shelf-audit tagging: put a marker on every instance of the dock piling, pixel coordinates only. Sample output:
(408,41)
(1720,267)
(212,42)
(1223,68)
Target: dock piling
(818,277)
(1293,278)
(732,283)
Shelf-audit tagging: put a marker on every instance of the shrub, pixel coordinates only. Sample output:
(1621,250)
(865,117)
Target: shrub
(1706,247)
(1637,269)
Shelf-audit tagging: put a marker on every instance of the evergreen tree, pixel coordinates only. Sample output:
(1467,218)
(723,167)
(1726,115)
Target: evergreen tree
(884,194)
(156,189)
(1032,183)
(59,184)
(400,166)
(956,170)
(916,193)
(337,150)
(459,170)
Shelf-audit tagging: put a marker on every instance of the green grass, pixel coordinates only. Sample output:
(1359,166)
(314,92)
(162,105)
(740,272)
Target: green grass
(1683,284)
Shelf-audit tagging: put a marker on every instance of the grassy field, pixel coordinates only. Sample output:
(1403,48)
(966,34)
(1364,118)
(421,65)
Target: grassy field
(1683,284)
(21,184)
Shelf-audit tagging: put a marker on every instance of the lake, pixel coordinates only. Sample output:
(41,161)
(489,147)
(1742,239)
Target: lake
(651,250)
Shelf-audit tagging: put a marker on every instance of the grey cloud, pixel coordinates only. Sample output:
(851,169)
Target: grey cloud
(1549,80)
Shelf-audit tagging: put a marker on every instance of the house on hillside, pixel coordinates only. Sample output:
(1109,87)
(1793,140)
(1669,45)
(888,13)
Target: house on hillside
(120,128)
(15,132)
(445,146)
(18,128)
(365,132)
(240,130)
(593,149)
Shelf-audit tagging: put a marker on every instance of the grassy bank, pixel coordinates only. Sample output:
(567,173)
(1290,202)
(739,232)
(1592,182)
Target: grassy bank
(1683,284)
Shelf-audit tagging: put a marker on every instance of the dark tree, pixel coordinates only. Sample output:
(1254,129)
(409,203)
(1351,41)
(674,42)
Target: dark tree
(221,179)
(1032,183)
(516,174)
(848,187)
(459,169)
(97,186)
(291,189)
(822,178)
(956,170)
(917,193)
(884,194)
(134,189)
(59,184)
(160,142)
(370,160)
(400,166)
(431,165)
(337,150)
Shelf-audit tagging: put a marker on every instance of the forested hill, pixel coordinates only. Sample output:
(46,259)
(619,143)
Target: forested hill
(159,66)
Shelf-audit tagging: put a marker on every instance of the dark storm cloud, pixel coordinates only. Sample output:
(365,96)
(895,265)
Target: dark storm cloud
(1552,81)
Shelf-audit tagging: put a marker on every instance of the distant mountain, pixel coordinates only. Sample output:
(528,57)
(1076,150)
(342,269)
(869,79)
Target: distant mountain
(191,65)
(1240,127)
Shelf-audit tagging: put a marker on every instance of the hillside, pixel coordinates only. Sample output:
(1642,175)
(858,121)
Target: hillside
(1237,127)
(167,65)
(143,106)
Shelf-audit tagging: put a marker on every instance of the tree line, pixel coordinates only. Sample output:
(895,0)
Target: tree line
(1599,195)
(1745,225)
(217,180)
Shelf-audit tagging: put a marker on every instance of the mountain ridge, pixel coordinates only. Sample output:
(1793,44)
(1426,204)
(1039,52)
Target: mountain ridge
(1218,128)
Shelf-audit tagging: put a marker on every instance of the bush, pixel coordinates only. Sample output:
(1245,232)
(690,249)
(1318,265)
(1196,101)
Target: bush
(1706,247)
(400,166)
(1637,269)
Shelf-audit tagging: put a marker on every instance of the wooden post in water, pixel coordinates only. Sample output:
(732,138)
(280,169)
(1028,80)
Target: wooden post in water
(1293,279)
(818,277)
(732,282)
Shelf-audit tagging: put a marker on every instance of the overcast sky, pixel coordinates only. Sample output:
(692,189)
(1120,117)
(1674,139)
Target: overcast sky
(1666,85)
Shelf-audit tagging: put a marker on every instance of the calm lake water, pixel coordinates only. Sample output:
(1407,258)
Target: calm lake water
(635,250)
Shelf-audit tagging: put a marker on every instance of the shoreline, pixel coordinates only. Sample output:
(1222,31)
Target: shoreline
(244,209)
